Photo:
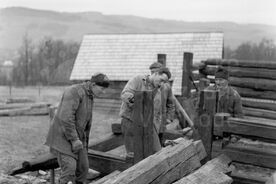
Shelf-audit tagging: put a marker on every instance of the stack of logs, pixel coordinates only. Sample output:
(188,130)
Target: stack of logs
(250,141)
(254,80)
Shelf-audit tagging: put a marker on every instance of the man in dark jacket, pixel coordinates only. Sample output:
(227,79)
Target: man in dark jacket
(142,83)
(68,135)
(229,99)
(167,102)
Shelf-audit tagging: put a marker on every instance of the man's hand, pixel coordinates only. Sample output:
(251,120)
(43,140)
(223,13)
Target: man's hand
(76,146)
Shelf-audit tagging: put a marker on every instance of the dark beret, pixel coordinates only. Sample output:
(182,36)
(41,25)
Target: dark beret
(100,79)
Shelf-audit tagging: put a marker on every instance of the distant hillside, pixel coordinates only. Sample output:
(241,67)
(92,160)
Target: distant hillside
(15,22)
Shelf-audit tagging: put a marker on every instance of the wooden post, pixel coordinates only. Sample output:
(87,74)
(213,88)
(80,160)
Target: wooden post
(206,119)
(143,125)
(186,72)
(52,178)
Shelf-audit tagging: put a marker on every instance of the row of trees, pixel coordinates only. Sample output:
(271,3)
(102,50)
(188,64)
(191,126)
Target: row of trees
(40,63)
(50,61)
(264,50)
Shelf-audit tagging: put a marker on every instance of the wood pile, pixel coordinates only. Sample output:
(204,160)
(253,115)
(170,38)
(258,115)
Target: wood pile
(173,164)
(254,80)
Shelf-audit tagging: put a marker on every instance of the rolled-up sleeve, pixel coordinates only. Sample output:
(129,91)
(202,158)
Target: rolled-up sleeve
(67,114)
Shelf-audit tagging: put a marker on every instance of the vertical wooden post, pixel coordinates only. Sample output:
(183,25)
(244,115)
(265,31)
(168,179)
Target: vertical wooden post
(186,72)
(161,58)
(52,178)
(143,125)
(206,119)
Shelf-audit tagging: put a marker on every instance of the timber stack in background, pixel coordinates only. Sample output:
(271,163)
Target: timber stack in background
(250,141)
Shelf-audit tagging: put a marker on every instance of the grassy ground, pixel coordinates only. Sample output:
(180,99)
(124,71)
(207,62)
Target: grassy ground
(22,137)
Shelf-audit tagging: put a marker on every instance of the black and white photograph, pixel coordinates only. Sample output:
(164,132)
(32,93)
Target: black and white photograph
(137,92)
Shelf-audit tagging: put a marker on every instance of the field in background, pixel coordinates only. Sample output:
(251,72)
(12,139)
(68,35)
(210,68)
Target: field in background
(23,137)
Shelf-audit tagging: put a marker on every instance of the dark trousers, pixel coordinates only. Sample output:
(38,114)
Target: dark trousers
(74,170)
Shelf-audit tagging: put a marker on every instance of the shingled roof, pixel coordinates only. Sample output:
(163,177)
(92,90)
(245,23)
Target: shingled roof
(122,56)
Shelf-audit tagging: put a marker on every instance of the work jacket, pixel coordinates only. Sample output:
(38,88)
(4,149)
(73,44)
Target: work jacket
(230,102)
(162,100)
(168,106)
(72,120)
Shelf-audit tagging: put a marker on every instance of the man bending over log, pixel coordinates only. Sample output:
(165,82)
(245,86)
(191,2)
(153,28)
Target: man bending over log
(229,99)
(166,115)
(68,135)
(142,83)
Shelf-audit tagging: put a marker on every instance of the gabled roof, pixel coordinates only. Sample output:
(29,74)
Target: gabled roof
(123,56)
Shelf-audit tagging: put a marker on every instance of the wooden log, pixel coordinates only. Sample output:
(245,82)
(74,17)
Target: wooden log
(155,165)
(250,174)
(251,93)
(250,127)
(25,111)
(241,63)
(259,103)
(252,152)
(106,178)
(107,143)
(212,172)
(254,83)
(256,112)
(143,125)
(23,105)
(179,171)
(106,163)
(186,73)
(243,72)
(206,118)
(19,100)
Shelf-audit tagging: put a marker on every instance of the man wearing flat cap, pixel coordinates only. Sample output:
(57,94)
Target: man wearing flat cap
(68,135)
(142,83)
(166,102)
(229,99)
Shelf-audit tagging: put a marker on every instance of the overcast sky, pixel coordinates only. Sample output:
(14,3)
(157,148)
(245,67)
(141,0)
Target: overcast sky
(240,11)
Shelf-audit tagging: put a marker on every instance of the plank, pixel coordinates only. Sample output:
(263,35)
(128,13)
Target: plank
(106,163)
(212,172)
(250,127)
(106,178)
(153,166)
(249,174)
(241,63)
(252,152)
(107,142)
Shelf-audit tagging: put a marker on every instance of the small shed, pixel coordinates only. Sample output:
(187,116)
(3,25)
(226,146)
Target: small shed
(123,56)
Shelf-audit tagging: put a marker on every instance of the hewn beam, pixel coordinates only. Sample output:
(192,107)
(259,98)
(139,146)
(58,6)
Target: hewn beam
(251,93)
(212,172)
(252,152)
(251,127)
(257,112)
(158,164)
